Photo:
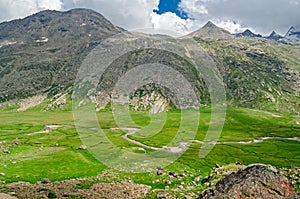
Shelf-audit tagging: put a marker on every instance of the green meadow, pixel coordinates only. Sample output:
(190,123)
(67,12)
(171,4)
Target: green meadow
(56,155)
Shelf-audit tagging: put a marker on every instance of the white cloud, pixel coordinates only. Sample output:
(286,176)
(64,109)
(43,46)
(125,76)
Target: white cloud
(129,14)
(49,4)
(137,15)
(229,25)
(14,9)
(170,21)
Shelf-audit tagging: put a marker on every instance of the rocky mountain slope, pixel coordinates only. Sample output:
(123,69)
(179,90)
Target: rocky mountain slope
(41,54)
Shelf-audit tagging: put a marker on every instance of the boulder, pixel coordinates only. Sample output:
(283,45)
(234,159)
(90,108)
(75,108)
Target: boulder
(254,181)
(46,181)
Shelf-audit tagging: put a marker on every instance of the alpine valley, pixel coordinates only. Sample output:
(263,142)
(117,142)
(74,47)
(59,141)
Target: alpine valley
(43,156)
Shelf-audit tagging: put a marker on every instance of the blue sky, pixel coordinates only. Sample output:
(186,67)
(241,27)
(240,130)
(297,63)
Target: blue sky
(165,6)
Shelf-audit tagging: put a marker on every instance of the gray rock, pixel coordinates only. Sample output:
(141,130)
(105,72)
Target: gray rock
(162,194)
(6,151)
(173,173)
(257,181)
(46,181)
(168,182)
(160,172)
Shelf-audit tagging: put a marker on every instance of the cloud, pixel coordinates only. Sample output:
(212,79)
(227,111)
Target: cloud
(14,9)
(194,8)
(170,21)
(233,15)
(263,16)
(129,14)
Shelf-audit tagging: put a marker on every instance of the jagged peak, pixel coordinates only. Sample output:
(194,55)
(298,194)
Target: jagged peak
(248,31)
(292,28)
(273,33)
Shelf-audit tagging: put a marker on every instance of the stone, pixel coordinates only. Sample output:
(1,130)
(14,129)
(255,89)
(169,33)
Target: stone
(238,163)
(254,181)
(173,173)
(162,194)
(197,179)
(83,147)
(160,172)
(6,151)
(46,181)
(168,182)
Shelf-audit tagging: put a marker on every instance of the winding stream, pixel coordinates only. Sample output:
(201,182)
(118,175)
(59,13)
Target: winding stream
(182,146)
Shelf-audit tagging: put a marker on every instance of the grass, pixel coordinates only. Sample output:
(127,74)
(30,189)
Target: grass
(38,156)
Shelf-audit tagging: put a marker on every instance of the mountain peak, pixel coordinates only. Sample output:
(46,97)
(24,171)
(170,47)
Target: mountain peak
(275,36)
(210,24)
(273,33)
(248,33)
(292,28)
(211,31)
(293,35)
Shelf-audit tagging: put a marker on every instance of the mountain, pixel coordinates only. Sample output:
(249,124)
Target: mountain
(41,55)
(293,35)
(275,36)
(248,33)
(210,30)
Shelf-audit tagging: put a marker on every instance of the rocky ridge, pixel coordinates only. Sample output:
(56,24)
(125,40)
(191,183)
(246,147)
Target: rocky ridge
(44,62)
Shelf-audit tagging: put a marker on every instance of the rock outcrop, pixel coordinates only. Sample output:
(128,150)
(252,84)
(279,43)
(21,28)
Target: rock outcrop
(254,181)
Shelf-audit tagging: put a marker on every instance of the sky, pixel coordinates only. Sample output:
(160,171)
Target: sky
(180,16)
